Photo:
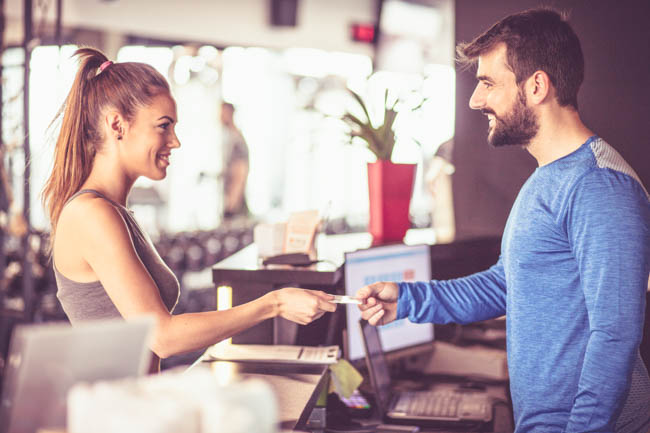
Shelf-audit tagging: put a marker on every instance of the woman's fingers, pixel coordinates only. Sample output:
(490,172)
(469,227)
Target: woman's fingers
(326,306)
(322,295)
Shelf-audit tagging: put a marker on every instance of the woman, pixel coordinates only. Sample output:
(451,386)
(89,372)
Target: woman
(118,124)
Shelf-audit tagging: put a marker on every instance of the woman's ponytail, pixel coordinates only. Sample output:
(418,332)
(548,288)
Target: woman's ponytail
(73,152)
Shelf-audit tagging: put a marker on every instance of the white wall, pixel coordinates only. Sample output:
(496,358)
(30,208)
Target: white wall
(320,23)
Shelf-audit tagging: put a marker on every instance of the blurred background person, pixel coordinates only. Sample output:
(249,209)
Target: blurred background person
(235,165)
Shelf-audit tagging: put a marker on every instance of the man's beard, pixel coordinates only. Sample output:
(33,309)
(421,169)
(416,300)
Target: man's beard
(518,127)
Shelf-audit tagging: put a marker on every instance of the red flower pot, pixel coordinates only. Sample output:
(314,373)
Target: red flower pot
(390,187)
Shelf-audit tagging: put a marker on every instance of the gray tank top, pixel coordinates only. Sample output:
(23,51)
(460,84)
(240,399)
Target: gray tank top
(89,301)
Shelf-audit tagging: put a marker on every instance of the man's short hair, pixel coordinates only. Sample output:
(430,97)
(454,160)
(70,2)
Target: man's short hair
(536,39)
(228,106)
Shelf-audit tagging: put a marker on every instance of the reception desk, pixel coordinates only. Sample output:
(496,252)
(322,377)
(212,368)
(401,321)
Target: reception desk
(249,279)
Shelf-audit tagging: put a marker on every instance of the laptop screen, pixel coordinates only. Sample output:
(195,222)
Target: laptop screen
(45,361)
(386,263)
(377,365)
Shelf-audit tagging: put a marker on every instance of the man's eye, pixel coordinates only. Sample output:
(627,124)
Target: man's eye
(164,125)
(487,85)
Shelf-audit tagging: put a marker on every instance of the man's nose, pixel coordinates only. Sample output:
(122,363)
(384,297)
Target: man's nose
(477,101)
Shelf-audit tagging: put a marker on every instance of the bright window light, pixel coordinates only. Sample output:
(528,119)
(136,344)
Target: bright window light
(310,62)
(400,18)
(52,74)
(158,57)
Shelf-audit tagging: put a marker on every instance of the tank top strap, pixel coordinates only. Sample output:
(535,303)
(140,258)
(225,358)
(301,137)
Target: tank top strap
(98,194)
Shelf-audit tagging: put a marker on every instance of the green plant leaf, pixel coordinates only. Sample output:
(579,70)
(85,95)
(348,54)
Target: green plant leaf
(380,140)
(361,103)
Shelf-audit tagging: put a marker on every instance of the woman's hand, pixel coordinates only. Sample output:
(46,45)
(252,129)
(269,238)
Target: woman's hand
(379,302)
(301,305)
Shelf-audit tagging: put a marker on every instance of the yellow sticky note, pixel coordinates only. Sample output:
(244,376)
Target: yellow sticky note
(344,378)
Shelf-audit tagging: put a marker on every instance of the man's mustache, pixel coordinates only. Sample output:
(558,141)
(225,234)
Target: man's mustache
(487,111)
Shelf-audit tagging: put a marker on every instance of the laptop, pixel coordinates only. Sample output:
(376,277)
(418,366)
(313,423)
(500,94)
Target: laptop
(45,361)
(440,405)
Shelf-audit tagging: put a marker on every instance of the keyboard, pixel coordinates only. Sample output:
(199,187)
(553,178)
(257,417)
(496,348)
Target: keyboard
(308,353)
(429,404)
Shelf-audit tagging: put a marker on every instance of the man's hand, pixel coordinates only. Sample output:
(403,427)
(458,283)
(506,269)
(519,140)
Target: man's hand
(379,302)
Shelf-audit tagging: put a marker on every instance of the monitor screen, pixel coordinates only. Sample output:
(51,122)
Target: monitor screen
(385,263)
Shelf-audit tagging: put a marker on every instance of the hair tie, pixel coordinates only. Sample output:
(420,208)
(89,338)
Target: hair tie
(105,65)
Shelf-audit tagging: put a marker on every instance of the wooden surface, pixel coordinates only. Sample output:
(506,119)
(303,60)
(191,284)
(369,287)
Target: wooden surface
(295,386)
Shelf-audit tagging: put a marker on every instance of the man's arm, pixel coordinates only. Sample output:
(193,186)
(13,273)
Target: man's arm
(608,225)
(479,296)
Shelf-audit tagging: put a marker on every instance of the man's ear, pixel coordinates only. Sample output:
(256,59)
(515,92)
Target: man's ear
(115,125)
(538,87)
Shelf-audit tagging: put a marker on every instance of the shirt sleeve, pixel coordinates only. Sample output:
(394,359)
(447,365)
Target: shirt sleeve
(479,296)
(608,226)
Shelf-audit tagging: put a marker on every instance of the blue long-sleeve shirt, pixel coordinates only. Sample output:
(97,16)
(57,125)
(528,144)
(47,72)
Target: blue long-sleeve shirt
(571,280)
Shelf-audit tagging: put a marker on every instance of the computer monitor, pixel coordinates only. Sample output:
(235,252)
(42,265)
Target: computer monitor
(385,263)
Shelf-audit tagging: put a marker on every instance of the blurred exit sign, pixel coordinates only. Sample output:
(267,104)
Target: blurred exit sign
(363,32)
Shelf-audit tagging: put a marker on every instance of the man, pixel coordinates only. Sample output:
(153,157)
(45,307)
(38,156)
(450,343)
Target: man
(575,254)
(235,170)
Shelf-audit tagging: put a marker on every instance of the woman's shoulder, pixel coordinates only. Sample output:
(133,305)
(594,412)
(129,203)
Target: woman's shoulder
(86,222)
(88,212)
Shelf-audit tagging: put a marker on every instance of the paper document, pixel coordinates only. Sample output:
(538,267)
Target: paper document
(275,353)
(300,232)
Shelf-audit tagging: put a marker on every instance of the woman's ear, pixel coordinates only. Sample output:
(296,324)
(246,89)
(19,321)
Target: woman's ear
(115,125)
